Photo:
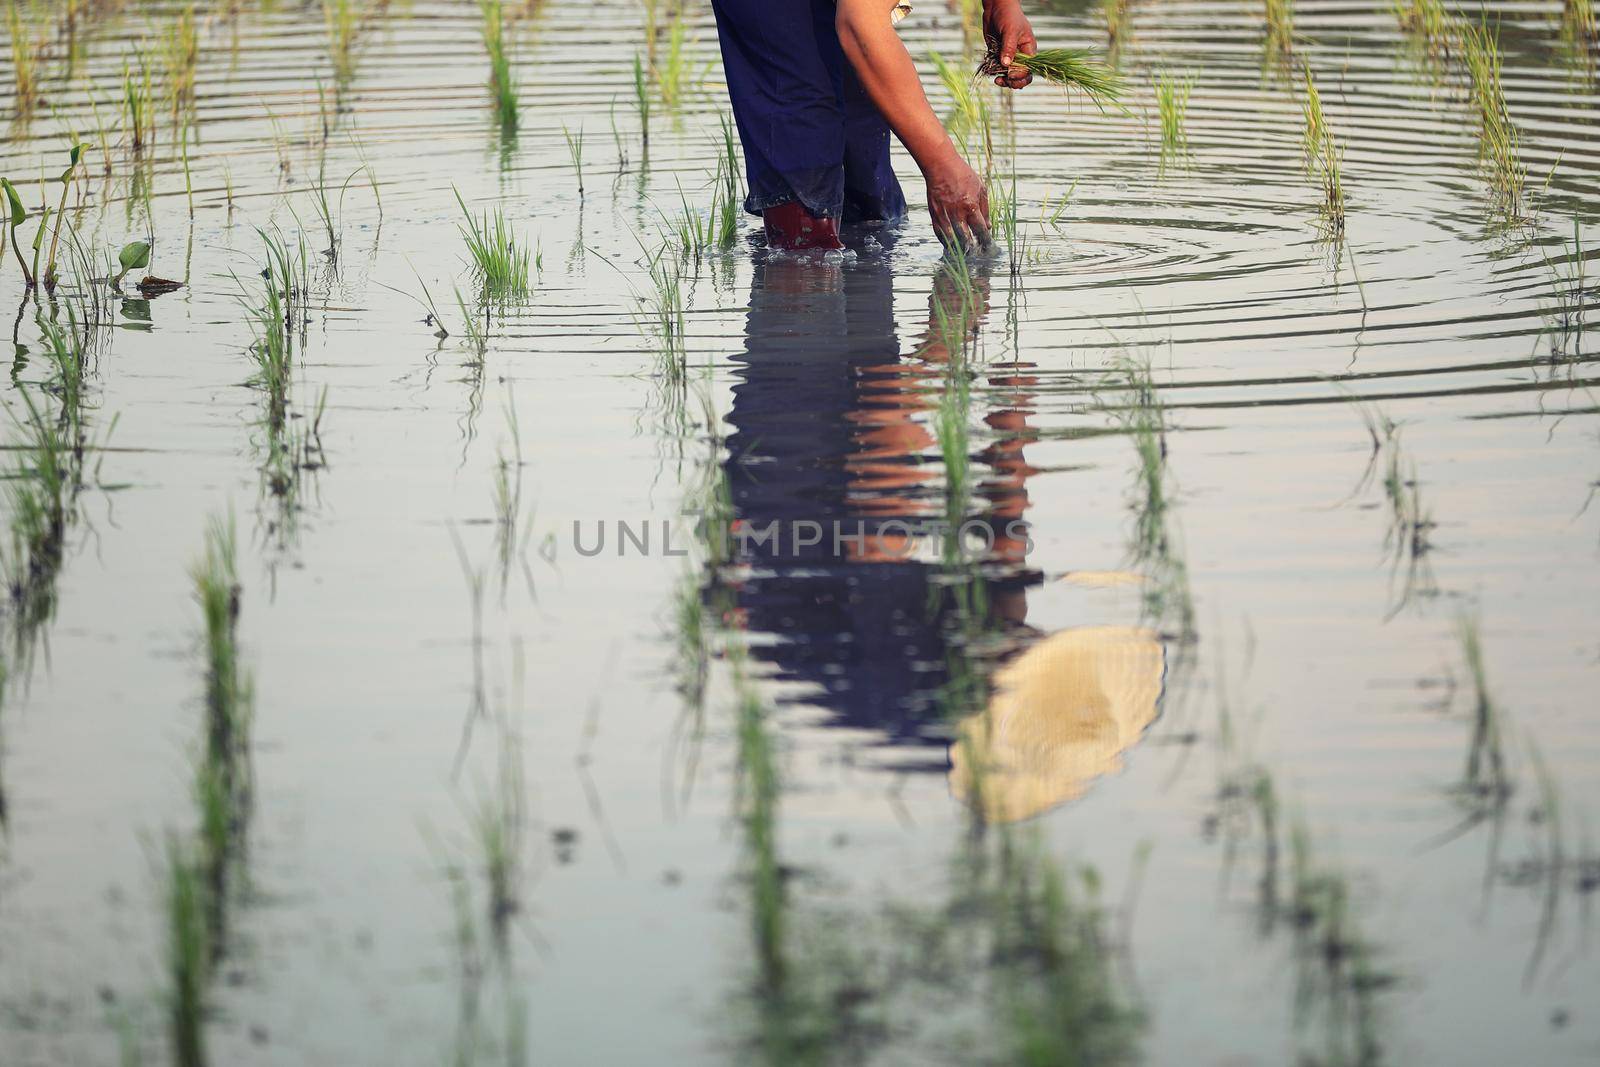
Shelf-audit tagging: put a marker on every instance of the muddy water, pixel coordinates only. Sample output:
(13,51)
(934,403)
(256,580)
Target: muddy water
(1032,682)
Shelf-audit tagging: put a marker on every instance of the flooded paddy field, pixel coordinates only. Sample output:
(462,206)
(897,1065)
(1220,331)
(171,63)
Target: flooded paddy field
(382,693)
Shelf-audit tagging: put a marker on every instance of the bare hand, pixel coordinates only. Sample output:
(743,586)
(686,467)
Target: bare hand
(1006,25)
(958,203)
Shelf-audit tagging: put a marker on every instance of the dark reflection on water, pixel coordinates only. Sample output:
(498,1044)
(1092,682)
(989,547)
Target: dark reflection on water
(830,425)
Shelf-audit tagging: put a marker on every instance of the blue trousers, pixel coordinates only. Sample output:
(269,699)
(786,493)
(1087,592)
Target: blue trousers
(810,132)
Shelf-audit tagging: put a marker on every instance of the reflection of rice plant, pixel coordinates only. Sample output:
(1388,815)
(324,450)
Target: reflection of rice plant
(499,825)
(1323,161)
(1485,778)
(1172,101)
(188,955)
(673,78)
(1279,29)
(503,264)
(1498,139)
(641,100)
(1564,317)
(181,50)
(1578,21)
(502,83)
(1426,21)
(343,19)
(26,51)
(1119,25)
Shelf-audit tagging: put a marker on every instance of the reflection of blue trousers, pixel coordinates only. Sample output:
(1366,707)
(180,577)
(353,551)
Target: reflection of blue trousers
(810,133)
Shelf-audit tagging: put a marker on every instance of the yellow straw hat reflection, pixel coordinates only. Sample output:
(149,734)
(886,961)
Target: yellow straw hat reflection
(1061,715)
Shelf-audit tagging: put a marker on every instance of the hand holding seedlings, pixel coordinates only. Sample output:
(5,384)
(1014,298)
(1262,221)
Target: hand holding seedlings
(1007,31)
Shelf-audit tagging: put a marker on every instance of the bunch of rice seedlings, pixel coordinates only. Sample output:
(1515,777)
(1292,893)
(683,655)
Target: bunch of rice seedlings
(1498,139)
(1279,30)
(502,83)
(503,264)
(1070,68)
(1172,101)
(138,111)
(26,50)
(575,153)
(275,321)
(1323,160)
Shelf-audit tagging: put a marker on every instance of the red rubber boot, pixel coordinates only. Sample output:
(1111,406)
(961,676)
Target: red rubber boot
(794,229)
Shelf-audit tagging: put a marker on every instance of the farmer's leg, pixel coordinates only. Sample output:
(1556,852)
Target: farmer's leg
(785,80)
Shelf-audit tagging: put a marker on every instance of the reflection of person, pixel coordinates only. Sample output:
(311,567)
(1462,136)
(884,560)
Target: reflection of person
(816,88)
(830,424)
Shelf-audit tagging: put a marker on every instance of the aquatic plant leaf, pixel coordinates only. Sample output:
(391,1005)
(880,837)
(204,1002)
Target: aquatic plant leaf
(134,256)
(19,214)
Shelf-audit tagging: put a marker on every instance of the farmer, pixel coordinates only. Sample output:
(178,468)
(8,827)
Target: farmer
(817,86)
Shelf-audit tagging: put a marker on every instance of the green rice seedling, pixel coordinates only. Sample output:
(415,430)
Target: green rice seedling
(502,82)
(330,209)
(188,956)
(1172,101)
(1323,161)
(27,49)
(40,492)
(1498,140)
(16,215)
(730,202)
(575,153)
(343,18)
(1070,68)
(969,118)
(641,101)
(502,263)
(1279,19)
(1003,214)
(138,112)
(1052,215)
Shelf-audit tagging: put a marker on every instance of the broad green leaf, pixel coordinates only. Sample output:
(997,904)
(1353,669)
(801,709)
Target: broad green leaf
(134,256)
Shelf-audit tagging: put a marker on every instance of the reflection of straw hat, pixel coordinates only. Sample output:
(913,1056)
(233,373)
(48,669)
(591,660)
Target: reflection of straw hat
(1061,715)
